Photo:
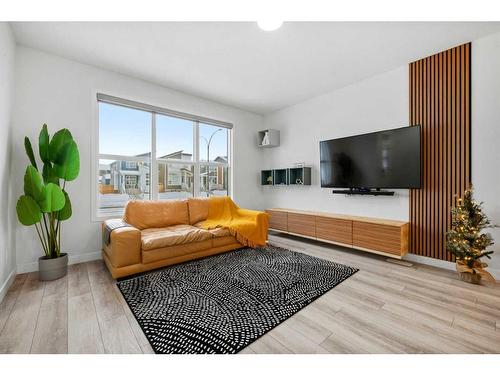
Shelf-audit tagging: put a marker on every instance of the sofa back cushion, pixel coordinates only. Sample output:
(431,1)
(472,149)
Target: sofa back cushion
(198,209)
(156,214)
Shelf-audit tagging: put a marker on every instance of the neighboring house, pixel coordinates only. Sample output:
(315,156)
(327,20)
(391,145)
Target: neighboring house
(128,175)
(221,172)
(214,178)
(120,176)
(175,177)
(105,186)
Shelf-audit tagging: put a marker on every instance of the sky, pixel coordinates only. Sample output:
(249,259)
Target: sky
(126,131)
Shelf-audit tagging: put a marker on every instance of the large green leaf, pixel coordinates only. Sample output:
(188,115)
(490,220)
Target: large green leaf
(49,174)
(67,162)
(54,198)
(66,211)
(43,144)
(28,211)
(58,141)
(29,152)
(33,184)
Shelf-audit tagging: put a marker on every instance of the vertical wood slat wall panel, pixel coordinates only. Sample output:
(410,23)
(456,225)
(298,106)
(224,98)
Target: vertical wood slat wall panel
(439,92)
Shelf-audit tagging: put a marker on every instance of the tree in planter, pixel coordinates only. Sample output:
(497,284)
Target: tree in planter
(45,203)
(466,240)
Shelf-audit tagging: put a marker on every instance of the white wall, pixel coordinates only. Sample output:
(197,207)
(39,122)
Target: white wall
(486,132)
(58,92)
(7,253)
(374,104)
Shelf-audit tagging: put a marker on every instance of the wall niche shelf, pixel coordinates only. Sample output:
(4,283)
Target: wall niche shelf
(280,177)
(266,177)
(286,176)
(268,138)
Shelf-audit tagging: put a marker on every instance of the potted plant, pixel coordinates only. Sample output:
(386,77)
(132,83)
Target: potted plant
(466,240)
(45,202)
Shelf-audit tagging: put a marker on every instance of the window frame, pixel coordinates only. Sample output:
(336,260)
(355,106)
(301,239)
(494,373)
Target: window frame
(98,97)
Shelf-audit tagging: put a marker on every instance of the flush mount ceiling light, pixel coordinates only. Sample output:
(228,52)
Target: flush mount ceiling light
(270,25)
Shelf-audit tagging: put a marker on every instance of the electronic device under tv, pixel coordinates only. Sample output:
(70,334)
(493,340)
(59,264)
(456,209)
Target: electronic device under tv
(388,159)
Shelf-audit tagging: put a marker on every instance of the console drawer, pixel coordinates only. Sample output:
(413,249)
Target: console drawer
(336,230)
(384,238)
(302,224)
(278,220)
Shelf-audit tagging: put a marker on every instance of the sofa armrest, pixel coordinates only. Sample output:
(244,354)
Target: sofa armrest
(124,246)
(260,217)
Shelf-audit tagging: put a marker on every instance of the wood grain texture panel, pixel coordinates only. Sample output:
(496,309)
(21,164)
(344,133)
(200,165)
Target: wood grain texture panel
(278,220)
(376,237)
(17,334)
(51,333)
(439,89)
(302,224)
(337,230)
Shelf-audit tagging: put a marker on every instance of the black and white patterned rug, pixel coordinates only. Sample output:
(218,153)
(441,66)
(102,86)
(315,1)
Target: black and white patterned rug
(222,303)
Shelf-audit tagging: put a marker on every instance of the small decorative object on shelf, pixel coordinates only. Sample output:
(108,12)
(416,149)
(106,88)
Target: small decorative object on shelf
(466,241)
(265,140)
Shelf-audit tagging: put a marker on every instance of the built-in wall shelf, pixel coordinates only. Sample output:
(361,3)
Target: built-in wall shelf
(286,176)
(268,138)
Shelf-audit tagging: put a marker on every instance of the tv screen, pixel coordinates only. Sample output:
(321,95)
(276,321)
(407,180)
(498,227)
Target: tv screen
(385,159)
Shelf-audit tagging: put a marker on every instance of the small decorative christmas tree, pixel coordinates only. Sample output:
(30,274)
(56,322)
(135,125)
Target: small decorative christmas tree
(466,240)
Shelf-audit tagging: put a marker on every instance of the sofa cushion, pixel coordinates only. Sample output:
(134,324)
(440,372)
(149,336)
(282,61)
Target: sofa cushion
(156,214)
(198,209)
(155,238)
(224,241)
(187,250)
(216,232)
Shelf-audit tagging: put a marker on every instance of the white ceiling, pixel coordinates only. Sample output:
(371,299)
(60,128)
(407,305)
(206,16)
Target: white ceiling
(238,64)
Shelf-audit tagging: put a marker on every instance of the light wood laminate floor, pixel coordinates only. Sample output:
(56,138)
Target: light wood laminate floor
(383,308)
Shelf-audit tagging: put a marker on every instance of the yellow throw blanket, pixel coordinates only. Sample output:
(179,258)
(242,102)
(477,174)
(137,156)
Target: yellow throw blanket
(249,227)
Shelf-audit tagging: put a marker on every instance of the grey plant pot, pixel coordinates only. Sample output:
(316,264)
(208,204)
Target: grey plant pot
(52,268)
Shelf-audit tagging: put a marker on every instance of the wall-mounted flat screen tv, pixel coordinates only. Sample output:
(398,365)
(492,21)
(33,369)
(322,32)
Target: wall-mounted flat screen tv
(384,159)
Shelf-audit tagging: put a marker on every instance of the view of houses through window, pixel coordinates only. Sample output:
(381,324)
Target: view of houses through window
(191,157)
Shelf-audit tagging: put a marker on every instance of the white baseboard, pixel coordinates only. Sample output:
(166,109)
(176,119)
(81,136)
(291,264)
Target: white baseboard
(443,264)
(6,285)
(73,259)
(495,273)
(430,261)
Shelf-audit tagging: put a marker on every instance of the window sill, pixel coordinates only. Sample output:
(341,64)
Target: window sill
(101,219)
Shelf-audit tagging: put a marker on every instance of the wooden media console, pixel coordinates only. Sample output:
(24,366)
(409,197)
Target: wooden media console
(379,236)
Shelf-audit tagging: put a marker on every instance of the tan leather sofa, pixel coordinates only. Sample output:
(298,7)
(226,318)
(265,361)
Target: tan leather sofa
(163,233)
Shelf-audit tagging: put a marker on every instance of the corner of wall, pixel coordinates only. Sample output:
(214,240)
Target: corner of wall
(7,73)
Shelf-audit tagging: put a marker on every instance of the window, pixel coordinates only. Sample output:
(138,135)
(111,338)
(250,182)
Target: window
(130,165)
(146,152)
